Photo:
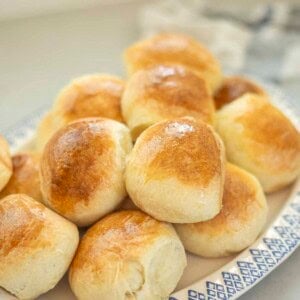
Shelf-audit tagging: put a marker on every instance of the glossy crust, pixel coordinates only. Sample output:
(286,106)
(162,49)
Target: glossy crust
(25,178)
(169,48)
(239,222)
(165,92)
(5,163)
(127,255)
(82,169)
(36,246)
(175,171)
(96,95)
(259,138)
(233,88)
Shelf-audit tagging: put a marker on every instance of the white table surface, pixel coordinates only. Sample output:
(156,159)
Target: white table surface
(40,55)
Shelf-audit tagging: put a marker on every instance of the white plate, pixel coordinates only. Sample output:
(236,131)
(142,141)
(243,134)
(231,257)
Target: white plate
(221,278)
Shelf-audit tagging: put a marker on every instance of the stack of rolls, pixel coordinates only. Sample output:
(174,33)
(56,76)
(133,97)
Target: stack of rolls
(177,157)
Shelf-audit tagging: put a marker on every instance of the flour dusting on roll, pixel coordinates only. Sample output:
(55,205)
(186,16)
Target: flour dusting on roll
(127,255)
(175,171)
(241,219)
(36,246)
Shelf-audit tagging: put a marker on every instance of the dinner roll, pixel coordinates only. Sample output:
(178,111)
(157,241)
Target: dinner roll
(175,171)
(36,246)
(241,219)
(127,255)
(234,87)
(169,48)
(5,163)
(82,169)
(25,178)
(164,92)
(96,95)
(261,139)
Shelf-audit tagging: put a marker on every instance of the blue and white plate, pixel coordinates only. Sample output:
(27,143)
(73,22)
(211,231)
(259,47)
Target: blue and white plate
(223,278)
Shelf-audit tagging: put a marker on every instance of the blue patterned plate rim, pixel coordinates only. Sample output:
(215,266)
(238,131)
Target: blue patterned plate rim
(275,245)
(232,280)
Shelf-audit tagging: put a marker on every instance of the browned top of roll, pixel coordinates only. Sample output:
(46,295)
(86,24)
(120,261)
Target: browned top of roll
(121,235)
(91,96)
(77,160)
(184,148)
(234,87)
(25,177)
(172,91)
(272,133)
(21,224)
(169,48)
(240,203)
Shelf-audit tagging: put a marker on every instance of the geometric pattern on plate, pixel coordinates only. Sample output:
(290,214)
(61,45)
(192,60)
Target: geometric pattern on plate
(277,243)
(233,279)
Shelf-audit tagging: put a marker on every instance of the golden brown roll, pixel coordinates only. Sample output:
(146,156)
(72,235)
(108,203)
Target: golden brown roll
(96,95)
(169,48)
(127,255)
(82,169)
(36,246)
(241,219)
(233,88)
(260,139)
(164,92)
(175,171)
(5,163)
(25,178)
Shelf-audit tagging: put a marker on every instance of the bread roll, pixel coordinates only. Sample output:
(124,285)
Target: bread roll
(233,88)
(25,178)
(164,92)
(82,169)
(5,163)
(241,219)
(88,96)
(127,255)
(169,48)
(175,171)
(36,246)
(260,139)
